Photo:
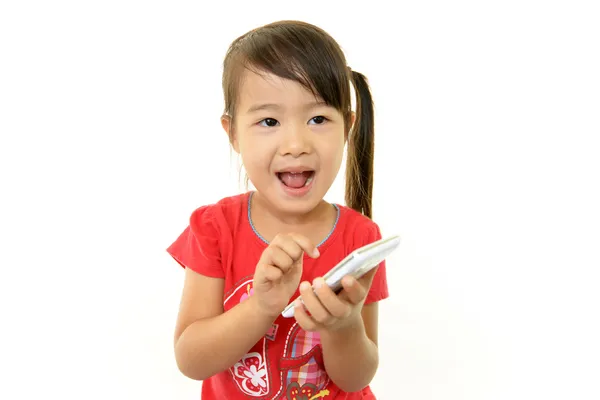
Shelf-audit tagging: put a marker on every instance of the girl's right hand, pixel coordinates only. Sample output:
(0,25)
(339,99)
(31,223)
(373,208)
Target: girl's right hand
(279,270)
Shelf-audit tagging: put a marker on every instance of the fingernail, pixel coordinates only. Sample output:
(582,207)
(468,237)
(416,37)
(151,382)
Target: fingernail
(349,281)
(304,285)
(318,283)
(316,252)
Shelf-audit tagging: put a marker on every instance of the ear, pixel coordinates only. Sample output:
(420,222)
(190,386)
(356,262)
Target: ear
(227,125)
(351,126)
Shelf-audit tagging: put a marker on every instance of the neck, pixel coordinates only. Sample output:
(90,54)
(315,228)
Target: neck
(269,221)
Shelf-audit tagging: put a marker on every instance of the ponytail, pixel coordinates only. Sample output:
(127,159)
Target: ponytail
(361,147)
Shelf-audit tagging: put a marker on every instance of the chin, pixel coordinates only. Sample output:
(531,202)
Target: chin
(293,201)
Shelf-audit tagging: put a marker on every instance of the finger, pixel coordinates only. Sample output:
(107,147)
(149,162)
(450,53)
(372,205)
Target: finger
(289,246)
(312,303)
(303,319)
(272,274)
(305,244)
(367,278)
(279,258)
(355,292)
(334,304)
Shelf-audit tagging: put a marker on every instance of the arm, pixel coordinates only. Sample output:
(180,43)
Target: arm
(208,340)
(352,346)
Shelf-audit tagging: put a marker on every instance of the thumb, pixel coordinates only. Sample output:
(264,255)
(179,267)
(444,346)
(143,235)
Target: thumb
(297,268)
(299,264)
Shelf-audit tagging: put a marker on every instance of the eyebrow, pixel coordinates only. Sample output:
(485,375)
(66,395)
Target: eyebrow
(272,106)
(261,107)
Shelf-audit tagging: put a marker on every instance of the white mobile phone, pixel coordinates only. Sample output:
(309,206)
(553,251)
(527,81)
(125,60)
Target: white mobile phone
(356,264)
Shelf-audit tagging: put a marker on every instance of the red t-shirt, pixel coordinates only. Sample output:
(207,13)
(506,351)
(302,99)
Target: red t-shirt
(287,363)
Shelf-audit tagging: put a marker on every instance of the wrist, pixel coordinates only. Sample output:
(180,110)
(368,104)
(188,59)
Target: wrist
(260,312)
(349,331)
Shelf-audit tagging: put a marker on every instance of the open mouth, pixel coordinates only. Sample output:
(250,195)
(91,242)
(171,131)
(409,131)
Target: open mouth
(296,180)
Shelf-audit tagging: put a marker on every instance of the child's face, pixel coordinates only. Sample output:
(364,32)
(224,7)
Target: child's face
(291,146)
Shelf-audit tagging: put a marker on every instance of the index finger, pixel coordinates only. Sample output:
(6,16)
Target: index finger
(354,290)
(367,278)
(305,244)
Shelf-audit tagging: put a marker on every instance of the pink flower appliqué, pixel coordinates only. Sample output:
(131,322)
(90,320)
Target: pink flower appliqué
(251,375)
(249,292)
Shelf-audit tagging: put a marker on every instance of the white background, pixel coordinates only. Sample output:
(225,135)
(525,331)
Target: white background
(487,130)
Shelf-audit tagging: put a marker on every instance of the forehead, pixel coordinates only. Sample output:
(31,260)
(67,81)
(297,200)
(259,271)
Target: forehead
(266,88)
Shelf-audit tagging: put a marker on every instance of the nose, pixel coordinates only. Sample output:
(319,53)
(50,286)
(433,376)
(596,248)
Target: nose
(295,141)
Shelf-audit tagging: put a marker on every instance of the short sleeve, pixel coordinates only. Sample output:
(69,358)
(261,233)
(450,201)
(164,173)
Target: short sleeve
(197,247)
(379,286)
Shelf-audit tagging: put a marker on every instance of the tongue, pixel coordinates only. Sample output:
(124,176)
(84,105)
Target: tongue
(295,180)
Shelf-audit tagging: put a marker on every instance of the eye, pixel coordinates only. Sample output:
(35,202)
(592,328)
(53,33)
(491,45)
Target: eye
(319,120)
(269,122)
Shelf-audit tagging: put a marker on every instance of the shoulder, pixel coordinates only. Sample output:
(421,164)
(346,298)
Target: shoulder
(219,215)
(359,231)
(358,228)
(206,242)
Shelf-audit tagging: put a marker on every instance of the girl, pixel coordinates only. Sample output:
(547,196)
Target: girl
(288,114)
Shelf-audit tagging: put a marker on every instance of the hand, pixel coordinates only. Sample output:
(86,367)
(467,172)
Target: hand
(323,310)
(279,270)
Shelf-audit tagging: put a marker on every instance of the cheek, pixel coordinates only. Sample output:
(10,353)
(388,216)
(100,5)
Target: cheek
(332,154)
(256,155)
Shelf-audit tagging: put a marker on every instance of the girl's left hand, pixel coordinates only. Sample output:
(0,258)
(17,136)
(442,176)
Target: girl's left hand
(323,310)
